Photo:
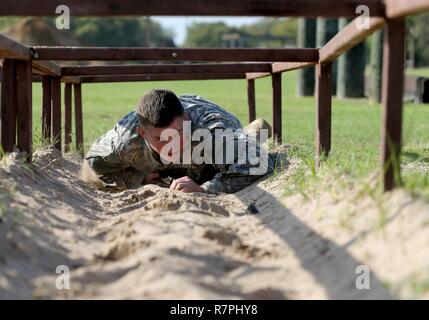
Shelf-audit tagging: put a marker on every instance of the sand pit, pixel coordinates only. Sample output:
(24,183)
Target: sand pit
(155,243)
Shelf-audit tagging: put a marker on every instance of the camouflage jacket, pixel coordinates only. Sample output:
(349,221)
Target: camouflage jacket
(123,158)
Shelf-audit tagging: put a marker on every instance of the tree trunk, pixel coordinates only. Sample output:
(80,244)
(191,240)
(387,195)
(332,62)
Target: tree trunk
(376,66)
(351,69)
(326,30)
(306,39)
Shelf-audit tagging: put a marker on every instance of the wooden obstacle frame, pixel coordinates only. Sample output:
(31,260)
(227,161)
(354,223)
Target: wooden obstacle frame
(22,65)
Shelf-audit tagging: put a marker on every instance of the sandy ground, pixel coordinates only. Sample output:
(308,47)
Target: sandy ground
(156,243)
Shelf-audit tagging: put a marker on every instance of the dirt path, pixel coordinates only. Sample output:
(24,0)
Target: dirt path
(155,243)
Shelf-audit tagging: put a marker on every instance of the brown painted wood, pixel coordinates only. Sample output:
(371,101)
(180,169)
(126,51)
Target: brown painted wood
(8,106)
(24,107)
(72,80)
(12,49)
(46,68)
(323,110)
(276,81)
(401,8)
(347,38)
(166,68)
(162,77)
(46,109)
(78,117)
(289,66)
(271,8)
(251,99)
(176,54)
(56,112)
(257,75)
(67,116)
(392,96)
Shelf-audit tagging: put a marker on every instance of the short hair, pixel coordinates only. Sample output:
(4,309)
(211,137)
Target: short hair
(158,108)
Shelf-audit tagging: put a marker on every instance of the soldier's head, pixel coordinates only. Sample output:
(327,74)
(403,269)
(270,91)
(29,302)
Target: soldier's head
(159,109)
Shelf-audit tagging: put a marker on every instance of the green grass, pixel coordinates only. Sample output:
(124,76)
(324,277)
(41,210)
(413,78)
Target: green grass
(419,72)
(355,122)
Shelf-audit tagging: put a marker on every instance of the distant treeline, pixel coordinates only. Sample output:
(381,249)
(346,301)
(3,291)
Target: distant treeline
(263,33)
(266,32)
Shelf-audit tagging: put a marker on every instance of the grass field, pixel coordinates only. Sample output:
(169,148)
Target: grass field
(355,126)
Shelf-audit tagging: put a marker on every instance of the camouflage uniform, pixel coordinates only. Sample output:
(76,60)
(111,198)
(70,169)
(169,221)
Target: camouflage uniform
(121,157)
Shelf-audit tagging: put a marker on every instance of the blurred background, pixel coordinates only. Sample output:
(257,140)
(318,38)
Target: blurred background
(356,74)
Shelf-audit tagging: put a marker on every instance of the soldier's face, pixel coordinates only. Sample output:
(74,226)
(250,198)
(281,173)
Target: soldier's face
(153,135)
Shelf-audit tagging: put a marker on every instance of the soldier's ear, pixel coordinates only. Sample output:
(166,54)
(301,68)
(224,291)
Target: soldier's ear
(141,131)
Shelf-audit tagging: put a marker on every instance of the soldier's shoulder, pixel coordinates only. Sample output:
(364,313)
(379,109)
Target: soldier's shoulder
(205,113)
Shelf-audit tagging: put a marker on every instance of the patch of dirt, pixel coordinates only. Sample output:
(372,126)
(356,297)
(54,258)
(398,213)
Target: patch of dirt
(156,243)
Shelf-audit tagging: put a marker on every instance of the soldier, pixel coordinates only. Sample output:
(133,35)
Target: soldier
(133,152)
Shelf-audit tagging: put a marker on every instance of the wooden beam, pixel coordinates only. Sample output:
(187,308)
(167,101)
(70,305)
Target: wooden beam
(257,75)
(24,107)
(392,101)
(401,8)
(276,8)
(72,80)
(276,81)
(175,54)
(347,38)
(67,116)
(56,112)
(46,109)
(8,106)
(78,117)
(323,110)
(12,49)
(161,77)
(166,68)
(251,99)
(289,66)
(46,68)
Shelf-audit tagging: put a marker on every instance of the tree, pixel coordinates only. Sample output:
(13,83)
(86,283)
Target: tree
(207,34)
(273,33)
(351,69)
(418,41)
(376,66)
(120,32)
(306,39)
(326,29)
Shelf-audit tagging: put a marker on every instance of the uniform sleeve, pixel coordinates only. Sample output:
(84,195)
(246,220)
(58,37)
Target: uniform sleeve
(247,167)
(112,164)
(116,173)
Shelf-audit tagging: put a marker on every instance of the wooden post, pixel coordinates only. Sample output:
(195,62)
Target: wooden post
(46,109)
(8,106)
(24,107)
(78,117)
(323,109)
(276,81)
(251,99)
(67,116)
(392,98)
(56,111)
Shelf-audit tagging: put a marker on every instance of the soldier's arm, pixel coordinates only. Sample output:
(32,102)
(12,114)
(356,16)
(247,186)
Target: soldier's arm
(111,164)
(235,177)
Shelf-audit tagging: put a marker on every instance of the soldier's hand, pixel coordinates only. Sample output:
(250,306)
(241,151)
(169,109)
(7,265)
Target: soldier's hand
(185,184)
